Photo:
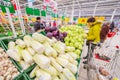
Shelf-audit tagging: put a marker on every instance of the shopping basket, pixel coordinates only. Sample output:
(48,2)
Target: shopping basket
(111,34)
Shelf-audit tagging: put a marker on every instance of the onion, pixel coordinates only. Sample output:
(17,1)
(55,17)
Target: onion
(54,33)
(64,34)
(53,29)
(47,29)
(49,34)
(8,77)
(61,37)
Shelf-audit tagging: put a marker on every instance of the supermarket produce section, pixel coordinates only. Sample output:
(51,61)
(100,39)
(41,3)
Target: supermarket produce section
(59,39)
(37,57)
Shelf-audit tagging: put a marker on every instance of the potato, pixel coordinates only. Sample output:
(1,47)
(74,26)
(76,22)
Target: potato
(7,70)
(8,77)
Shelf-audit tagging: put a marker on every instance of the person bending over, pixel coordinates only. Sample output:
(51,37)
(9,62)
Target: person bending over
(38,25)
(93,34)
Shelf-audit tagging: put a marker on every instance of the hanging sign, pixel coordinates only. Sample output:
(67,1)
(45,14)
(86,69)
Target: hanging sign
(82,20)
(49,10)
(30,3)
(52,4)
(102,18)
(3,14)
(14,4)
(33,19)
(67,19)
(5,3)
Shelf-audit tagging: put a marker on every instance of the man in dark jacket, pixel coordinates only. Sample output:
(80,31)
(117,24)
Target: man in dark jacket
(38,25)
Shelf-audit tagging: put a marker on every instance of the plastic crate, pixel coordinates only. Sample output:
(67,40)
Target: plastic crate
(6,41)
(18,65)
(13,62)
(24,73)
(29,70)
(2,35)
(21,76)
(4,46)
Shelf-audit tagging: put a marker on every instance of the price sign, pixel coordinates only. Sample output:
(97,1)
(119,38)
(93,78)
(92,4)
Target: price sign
(5,3)
(49,10)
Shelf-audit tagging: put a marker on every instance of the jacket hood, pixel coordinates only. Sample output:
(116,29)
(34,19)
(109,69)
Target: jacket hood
(98,23)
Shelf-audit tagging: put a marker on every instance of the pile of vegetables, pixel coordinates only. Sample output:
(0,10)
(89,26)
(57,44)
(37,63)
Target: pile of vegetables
(55,60)
(17,51)
(54,32)
(75,37)
(7,70)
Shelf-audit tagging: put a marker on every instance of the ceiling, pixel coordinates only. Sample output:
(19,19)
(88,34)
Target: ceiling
(80,7)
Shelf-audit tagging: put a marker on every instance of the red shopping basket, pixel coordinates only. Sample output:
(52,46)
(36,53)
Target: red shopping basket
(111,34)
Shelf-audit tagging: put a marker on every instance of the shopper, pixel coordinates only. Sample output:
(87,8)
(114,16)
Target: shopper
(93,34)
(112,26)
(104,32)
(38,25)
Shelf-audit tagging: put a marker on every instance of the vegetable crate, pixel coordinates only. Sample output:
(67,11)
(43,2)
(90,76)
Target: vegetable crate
(21,76)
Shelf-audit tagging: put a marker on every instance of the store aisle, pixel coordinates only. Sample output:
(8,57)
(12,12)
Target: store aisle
(83,72)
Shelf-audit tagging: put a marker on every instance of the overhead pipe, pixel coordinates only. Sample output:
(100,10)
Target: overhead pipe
(90,3)
(71,3)
(95,8)
(118,14)
(72,15)
(80,8)
(105,8)
(113,14)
